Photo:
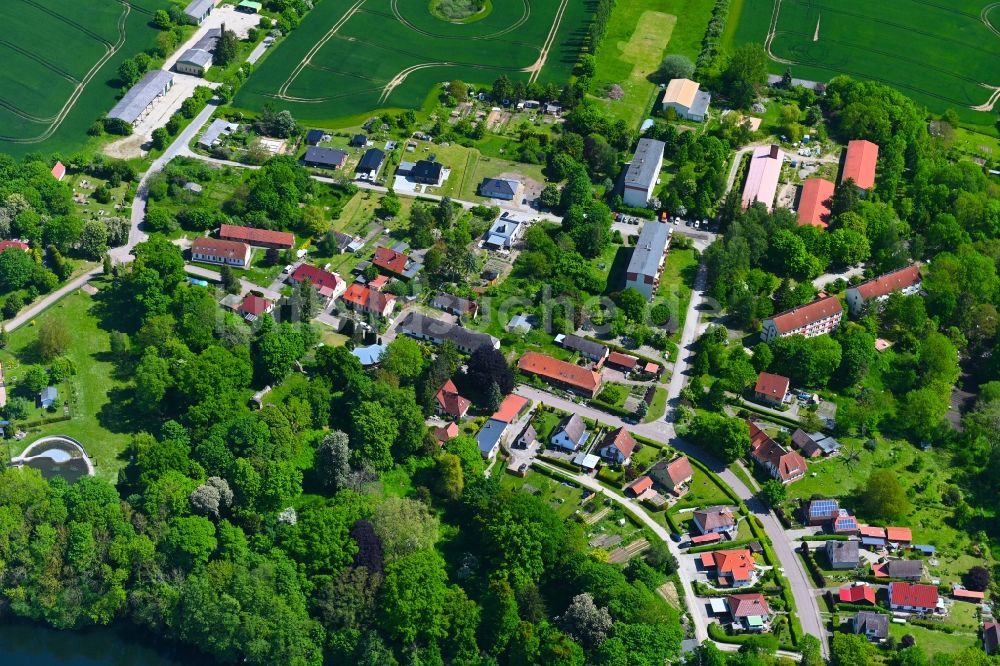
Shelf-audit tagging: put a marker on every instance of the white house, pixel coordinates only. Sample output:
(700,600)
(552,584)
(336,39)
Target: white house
(683,96)
(571,434)
(643,172)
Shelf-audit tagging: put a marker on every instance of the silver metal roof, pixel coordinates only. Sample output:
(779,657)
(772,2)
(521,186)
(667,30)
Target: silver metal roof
(141,95)
(198,8)
(645,166)
(649,249)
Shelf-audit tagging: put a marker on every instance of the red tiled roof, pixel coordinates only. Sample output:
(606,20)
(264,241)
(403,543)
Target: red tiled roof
(872,531)
(253,236)
(804,315)
(641,485)
(451,402)
(390,260)
(898,534)
(59,171)
(771,385)
(787,464)
(450,431)
(20,245)
(255,305)
(550,368)
(913,594)
(853,594)
(886,284)
(510,408)
(378,282)
(622,360)
(222,249)
(363,297)
(736,564)
(679,470)
(747,605)
(967,594)
(320,279)
(652,368)
(813,208)
(702,539)
(621,440)
(860,163)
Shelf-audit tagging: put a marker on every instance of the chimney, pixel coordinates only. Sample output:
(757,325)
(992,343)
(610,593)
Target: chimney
(774,151)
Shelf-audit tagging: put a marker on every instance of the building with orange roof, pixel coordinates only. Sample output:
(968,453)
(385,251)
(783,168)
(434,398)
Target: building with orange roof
(617,446)
(511,407)
(732,568)
(560,373)
(361,298)
(900,535)
(450,403)
(906,281)
(817,318)
(59,171)
(639,486)
(814,202)
(859,593)
(674,475)
(749,611)
(450,431)
(859,165)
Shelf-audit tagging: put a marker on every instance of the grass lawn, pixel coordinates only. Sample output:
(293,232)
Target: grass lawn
(562,496)
(703,492)
(676,283)
(934,642)
(468,168)
(630,54)
(658,407)
(91,422)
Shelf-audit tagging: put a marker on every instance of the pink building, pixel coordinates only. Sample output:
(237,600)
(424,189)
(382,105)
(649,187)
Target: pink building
(762,176)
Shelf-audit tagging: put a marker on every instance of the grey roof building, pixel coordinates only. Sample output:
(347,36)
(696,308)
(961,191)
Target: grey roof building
(499,188)
(505,231)
(907,569)
(198,10)
(490,437)
(699,108)
(331,158)
(595,351)
(215,131)
(640,178)
(427,172)
(571,434)
(437,331)
(370,163)
(456,305)
(842,554)
(646,264)
(198,59)
(141,96)
(47,396)
(873,625)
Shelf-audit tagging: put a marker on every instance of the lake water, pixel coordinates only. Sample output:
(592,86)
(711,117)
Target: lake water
(27,644)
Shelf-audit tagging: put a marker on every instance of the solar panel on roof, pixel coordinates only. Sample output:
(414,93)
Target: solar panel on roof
(822,507)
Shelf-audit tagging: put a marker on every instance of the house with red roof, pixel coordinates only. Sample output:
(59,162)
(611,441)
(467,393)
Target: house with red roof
(450,403)
(899,535)
(360,298)
(511,408)
(254,307)
(215,251)
(771,389)
(749,611)
(962,594)
(565,375)
(395,263)
(859,593)
(859,164)
(906,281)
(814,202)
(782,464)
(450,431)
(639,486)
(674,475)
(278,240)
(913,597)
(617,446)
(59,171)
(817,318)
(731,568)
(623,362)
(328,285)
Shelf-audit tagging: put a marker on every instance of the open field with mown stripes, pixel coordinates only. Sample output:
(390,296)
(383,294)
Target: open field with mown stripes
(351,57)
(60,66)
(943,53)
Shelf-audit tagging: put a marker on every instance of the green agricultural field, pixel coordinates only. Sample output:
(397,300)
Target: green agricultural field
(943,54)
(350,57)
(60,62)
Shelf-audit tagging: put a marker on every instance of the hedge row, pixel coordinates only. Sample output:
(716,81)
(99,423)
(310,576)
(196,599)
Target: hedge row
(720,546)
(817,575)
(770,416)
(710,43)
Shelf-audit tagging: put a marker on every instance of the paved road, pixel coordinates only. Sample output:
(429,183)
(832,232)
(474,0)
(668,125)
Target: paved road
(41,305)
(246,286)
(687,573)
(827,278)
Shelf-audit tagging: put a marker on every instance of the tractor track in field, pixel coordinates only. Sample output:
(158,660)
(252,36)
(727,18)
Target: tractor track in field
(424,33)
(772,30)
(536,69)
(351,11)
(41,61)
(992,101)
(79,26)
(111,50)
(398,80)
(985,16)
